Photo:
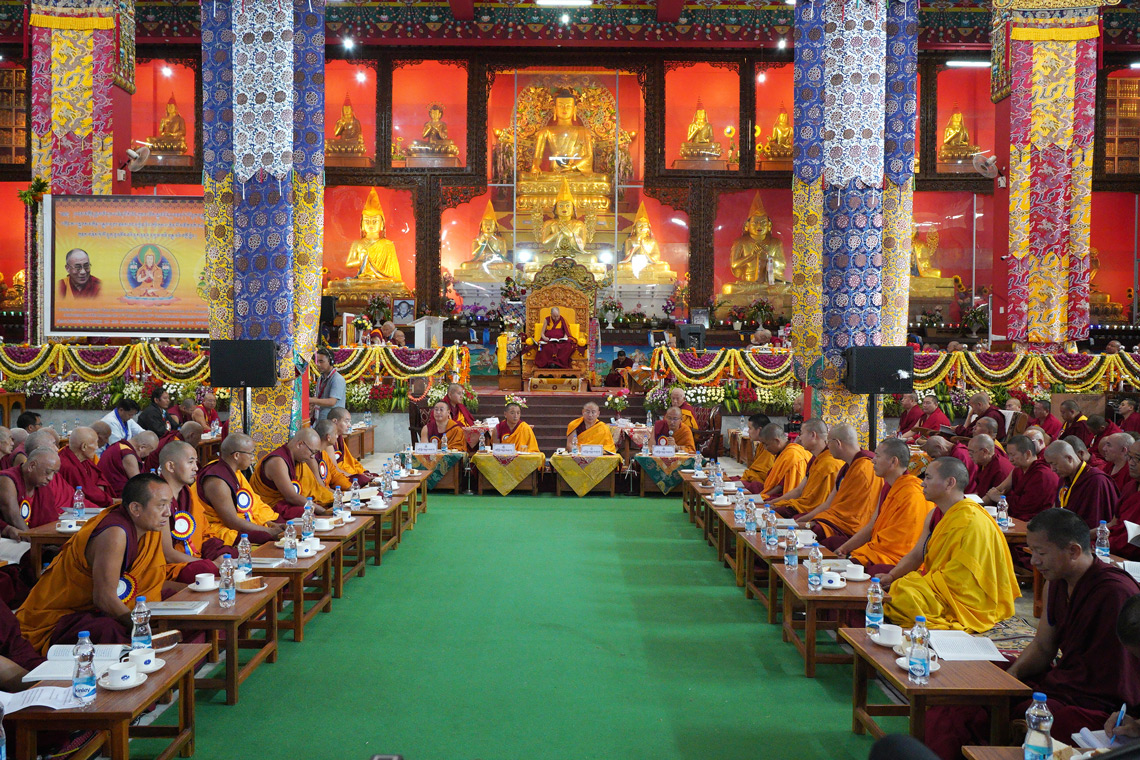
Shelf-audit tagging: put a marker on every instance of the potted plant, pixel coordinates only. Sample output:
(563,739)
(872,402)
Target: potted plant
(611,307)
(737,315)
(975,319)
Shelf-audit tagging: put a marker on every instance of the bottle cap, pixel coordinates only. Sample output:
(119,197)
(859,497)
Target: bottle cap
(85,634)
(1039,696)
(875,579)
(920,619)
(245,535)
(1104,522)
(288,522)
(140,599)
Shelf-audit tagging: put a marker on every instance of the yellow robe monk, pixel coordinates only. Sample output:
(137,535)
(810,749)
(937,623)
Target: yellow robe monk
(898,525)
(682,437)
(260,513)
(761,465)
(788,469)
(349,464)
(820,483)
(855,499)
(597,434)
(454,436)
(966,582)
(688,419)
(522,437)
(67,585)
(332,474)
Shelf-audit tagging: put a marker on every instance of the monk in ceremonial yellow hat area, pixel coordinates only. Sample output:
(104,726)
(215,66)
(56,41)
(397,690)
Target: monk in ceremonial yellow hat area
(589,431)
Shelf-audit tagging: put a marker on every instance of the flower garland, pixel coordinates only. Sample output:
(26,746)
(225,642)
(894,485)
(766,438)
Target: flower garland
(404,363)
(173,364)
(692,368)
(511,398)
(94,366)
(765,370)
(26,362)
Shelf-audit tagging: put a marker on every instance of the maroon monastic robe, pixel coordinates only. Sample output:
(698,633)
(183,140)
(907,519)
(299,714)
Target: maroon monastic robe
(151,462)
(1120,477)
(1109,429)
(1078,427)
(461,414)
(909,419)
(962,454)
(44,505)
(993,474)
(1032,490)
(933,421)
(1131,423)
(1051,425)
(994,414)
(111,464)
(1127,511)
(76,474)
(557,346)
(1090,494)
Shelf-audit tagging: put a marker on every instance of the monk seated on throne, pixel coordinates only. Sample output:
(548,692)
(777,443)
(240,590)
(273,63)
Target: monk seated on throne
(557,339)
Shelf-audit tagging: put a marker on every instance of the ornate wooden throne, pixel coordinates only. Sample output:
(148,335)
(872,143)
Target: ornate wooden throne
(572,288)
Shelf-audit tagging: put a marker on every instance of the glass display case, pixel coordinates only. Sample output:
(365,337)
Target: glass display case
(752,244)
(429,114)
(370,242)
(1113,254)
(163,112)
(965,121)
(772,130)
(702,107)
(1122,123)
(951,252)
(350,114)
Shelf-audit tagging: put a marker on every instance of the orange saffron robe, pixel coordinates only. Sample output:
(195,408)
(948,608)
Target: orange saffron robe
(331,474)
(788,469)
(597,434)
(454,436)
(761,465)
(259,513)
(854,501)
(898,525)
(682,438)
(821,474)
(522,437)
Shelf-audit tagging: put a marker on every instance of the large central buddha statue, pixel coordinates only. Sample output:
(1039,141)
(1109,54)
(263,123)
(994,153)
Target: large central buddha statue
(757,256)
(562,145)
(374,254)
(171,137)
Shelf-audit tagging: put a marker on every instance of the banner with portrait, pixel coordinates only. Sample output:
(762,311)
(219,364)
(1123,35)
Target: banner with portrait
(124,265)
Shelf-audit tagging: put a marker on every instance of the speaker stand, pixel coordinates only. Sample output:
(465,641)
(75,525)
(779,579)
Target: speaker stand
(872,420)
(247,398)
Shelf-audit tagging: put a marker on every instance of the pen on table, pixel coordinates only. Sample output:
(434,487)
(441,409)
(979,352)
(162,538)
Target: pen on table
(1119,720)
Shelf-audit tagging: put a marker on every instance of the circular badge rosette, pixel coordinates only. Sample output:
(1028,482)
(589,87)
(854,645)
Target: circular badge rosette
(126,588)
(323,469)
(25,509)
(243,501)
(183,526)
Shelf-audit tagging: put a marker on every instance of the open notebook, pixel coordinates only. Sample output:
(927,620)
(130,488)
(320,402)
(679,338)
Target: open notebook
(60,665)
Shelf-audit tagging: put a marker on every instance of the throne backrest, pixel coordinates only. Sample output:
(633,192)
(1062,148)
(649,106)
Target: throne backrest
(568,313)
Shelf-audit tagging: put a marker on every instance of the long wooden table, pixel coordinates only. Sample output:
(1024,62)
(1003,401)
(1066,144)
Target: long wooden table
(798,594)
(350,536)
(993,753)
(309,572)
(757,554)
(254,611)
(980,684)
(113,712)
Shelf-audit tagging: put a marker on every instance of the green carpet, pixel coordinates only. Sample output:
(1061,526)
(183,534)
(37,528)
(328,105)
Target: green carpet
(540,628)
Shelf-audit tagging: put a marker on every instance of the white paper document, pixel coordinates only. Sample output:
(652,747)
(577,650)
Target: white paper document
(961,646)
(1133,531)
(60,665)
(167,609)
(268,561)
(12,551)
(1133,569)
(55,697)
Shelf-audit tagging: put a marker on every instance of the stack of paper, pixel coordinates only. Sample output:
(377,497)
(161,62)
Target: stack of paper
(168,609)
(958,646)
(60,664)
(12,551)
(55,697)
(1089,739)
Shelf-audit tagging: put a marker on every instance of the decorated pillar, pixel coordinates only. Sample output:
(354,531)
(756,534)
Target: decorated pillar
(855,74)
(263,181)
(1046,58)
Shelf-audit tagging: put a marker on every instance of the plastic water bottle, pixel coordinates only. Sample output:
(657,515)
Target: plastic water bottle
(290,541)
(743,424)
(245,555)
(649,420)
(83,681)
(750,519)
(874,607)
(698,462)
(738,512)
(215,429)
(771,531)
(1003,513)
(368,419)
(140,625)
(353,495)
(77,504)
(1102,540)
(1039,720)
(791,551)
(307,521)
(815,568)
(918,658)
(645,444)
(574,443)
(389,487)
(227,593)
(338,500)
(718,491)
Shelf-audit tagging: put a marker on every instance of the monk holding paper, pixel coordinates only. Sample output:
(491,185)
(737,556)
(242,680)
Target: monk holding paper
(588,431)
(933,419)
(77,468)
(790,465)
(442,430)
(980,407)
(514,431)
(896,523)
(848,508)
(819,479)
(556,345)
(672,431)
(959,573)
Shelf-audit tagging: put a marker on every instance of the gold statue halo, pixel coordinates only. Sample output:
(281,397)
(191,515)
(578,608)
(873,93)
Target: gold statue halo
(372,206)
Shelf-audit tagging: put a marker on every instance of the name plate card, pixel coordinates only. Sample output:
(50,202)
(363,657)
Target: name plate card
(503,449)
(664,451)
(427,448)
(592,450)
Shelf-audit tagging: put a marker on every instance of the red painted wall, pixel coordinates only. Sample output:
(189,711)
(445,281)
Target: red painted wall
(12,233)
(1113,227)
(719,92)
(416,86)
(152,90)
(343,78)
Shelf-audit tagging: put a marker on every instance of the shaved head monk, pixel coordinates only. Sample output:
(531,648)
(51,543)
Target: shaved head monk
(1101,429)
(31,495)
(1043,418)
(912,413)
(1076,657)
(987,426)
(514,431)
(206,413)
(677,399)
(344,457)
(18,436)
(444,431)
(967,581)
(1129,420)
(791,462)
(331,475)
(896,523)
(455,406)
(123,460)
(1128,510)
(103,569)
(183,542)
(992,468)
(589,430)
(189,432)
(981,406)
(933,419)
(77,468)
(671,430)
(287,476)
(1076,423)
(229,503)
(1032,484)
(937,447)
(762,461)
(1114,451)
(44,438)
(819,479)
(850,505)
(1085,490)
(1040,438)
(103,433)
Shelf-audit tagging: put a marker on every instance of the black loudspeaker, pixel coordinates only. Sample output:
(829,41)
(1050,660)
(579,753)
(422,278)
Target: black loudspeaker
(328,310)
(692,336)
(880,369)
(243,363)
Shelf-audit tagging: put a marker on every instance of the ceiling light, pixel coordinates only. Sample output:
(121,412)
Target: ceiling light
(564,3)
(565,18)
(360,76)
(968,64)
(1134,65)
(782,43)
(167,71)
(761,77)
(348,43)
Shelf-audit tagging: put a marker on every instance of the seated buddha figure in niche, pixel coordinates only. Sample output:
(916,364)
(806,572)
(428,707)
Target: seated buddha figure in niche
(348,136)
(699,143)
(956,140)
(926,280)
(564,235)
(434,140)
(757,256)
(171,137)
(488,252)
(373,254)
(780,143)
(563,146)
(642,256)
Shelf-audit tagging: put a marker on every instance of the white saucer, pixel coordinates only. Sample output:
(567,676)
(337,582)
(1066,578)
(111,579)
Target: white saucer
(724,503)
(857,579)
(842,585)
(158,665)
(904,663)
(252,590)
(687,472)
(200,590)
(875,638)
(59,528)
(105,683)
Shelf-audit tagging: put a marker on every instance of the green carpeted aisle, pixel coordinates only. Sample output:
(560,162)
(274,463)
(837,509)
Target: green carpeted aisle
(540,628)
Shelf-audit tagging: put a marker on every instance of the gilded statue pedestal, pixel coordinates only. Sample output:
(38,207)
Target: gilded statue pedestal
(701,164)
(433,162)
(537,191)
(349,161)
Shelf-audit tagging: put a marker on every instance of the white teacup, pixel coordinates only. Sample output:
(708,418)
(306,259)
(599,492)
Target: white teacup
(992,510)
(124,673)
(890,635)
(322,523)
(240,574)
(832,580)
(314,543)
(305,549)
(68,525)
(722,501)
(204,580)
(855,572)
(143,659)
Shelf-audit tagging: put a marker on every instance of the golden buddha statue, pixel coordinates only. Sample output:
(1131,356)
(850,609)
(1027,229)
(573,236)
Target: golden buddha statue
(779,145)
(926,280)
(434,141)
(699,143)
(374,254)
(757,256)
(956,145)
(565,234)
(348,136)
(571,146)
(171,137)
(642,260)
(488,260)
